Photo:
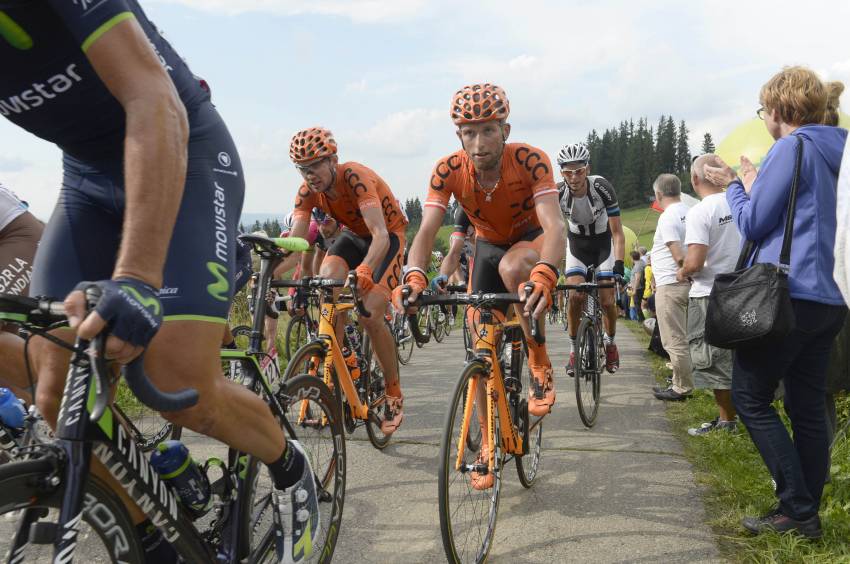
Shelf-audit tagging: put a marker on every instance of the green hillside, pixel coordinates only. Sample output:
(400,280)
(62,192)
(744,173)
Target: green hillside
(642,221)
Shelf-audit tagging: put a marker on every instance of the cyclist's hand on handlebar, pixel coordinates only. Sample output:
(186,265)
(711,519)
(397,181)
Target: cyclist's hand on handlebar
(414,282)
(619,268)
(438,283)
(365,279)
(542,281)
(128,307)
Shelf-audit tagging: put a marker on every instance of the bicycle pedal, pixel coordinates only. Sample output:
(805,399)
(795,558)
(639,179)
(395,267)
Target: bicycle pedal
(43,532)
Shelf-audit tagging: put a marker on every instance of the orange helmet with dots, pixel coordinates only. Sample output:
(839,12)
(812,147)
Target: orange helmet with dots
(312,143)
(479,102)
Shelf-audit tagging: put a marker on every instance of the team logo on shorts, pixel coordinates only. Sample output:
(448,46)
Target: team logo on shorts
(224,159)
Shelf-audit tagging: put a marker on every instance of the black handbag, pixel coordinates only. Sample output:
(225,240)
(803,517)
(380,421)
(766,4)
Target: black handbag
(751,307)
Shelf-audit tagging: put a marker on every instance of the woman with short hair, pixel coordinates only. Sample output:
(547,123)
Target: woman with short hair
(795,103)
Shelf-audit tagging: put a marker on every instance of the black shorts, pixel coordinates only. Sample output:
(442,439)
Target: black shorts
(352,249)
(594,250)
(485,269)
(83,235)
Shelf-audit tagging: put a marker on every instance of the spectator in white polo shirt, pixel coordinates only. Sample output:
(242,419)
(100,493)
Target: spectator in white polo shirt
(671,296)
(713,244)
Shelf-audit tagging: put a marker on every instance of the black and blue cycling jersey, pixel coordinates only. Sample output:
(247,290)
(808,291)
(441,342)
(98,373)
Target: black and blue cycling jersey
(49,87)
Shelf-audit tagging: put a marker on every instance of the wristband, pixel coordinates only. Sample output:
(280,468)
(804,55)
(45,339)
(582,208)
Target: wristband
(550,265)
(411,270)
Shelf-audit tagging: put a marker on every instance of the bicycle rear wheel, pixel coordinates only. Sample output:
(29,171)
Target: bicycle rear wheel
(530,427)
(376,387)
(588,367)
(468,515)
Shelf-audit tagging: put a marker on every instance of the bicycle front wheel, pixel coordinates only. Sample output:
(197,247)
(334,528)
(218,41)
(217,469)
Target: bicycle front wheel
(323,440)
(588,368)
(403,338)
(468,508)
(296,334)
(106,533)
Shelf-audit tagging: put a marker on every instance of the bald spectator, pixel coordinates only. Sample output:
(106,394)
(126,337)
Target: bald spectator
(713,244)
(671,296)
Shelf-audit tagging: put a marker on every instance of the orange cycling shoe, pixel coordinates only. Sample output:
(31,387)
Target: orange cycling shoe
(393,414)
(541,396)
(482,481)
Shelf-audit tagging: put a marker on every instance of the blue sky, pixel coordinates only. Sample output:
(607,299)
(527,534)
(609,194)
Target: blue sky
(380,74)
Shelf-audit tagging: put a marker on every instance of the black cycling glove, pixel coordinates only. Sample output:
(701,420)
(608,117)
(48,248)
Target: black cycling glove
(619,267)
(130,307)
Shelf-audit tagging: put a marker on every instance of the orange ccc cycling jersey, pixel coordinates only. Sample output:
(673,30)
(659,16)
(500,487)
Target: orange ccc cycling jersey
(357,188)
(526,174)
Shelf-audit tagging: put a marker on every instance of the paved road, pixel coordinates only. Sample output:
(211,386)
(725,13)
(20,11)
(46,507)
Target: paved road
(621,492)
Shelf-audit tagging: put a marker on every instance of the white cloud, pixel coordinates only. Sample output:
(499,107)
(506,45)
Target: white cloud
(407,133)
(360,11)
(356,86)
(12,164)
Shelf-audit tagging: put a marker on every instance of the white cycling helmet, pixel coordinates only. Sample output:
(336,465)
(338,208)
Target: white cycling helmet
(573,153)
(286,225)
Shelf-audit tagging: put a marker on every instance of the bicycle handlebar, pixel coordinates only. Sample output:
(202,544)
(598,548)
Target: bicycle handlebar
(481,299)
(308,282)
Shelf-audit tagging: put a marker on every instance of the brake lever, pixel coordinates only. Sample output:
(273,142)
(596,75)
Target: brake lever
(96,352)
(351,282)
(535,322)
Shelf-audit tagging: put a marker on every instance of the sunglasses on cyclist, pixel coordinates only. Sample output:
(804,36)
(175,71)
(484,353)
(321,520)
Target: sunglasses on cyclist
(306,170)
(573,171)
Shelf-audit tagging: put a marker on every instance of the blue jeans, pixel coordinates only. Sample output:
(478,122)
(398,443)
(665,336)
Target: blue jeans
(799,465)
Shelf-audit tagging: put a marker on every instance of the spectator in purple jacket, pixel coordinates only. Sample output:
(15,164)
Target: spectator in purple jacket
(794,104)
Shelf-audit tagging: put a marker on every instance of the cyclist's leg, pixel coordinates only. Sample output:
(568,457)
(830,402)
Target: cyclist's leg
(605,273)
(484,277)
(18,242)
(514,269)
(386,278)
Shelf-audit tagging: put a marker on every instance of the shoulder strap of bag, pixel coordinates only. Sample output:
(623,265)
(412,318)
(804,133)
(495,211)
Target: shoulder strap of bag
(785,253)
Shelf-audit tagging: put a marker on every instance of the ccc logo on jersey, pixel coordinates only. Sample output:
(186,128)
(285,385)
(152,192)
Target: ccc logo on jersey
(353,180)
(443,171)
(532,161)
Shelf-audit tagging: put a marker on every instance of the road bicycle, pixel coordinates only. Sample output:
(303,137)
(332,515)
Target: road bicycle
(51,503)
(403,337)
(360,398)
(487,425)
(590,347)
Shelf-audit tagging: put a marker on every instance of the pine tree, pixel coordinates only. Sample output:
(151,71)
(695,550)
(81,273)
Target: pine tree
(707,144)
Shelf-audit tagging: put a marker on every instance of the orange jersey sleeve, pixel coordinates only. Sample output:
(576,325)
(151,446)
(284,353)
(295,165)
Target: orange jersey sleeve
(358,188)
(305,201)
(447,178)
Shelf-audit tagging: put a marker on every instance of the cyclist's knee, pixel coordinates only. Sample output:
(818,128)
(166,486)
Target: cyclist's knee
(576,299)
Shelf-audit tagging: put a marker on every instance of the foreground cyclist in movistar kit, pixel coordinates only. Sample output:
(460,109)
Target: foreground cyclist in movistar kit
(595,237)
(372,244)
(508,192)
(150,200)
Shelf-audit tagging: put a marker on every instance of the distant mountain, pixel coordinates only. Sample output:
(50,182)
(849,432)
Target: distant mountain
(248,219)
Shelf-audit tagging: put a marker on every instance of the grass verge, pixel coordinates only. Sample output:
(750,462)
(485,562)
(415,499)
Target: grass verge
(737,484)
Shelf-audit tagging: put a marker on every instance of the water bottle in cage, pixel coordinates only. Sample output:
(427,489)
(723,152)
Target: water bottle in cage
(353,337)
